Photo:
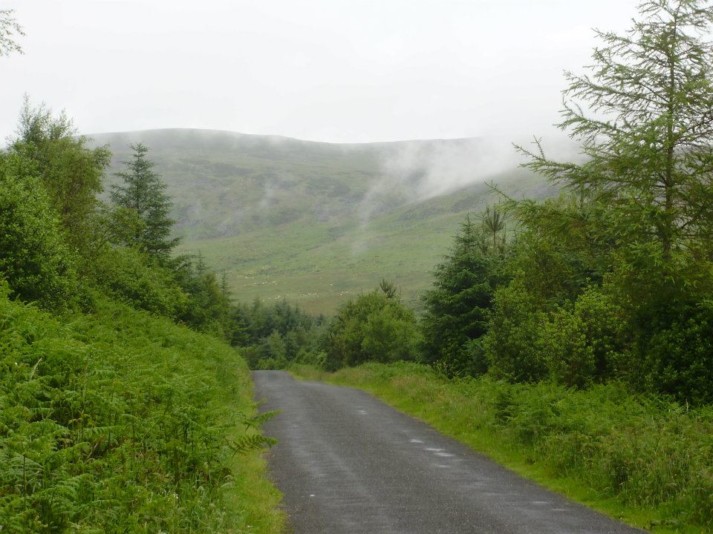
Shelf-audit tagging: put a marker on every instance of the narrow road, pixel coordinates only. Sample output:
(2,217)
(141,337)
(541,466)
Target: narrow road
(347,463)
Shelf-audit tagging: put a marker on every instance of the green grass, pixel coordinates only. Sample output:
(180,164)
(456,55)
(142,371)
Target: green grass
(119,421)
(643,460)
(319,266)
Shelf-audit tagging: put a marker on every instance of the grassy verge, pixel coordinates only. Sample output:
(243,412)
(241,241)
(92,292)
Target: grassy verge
(643,460)
(119,421)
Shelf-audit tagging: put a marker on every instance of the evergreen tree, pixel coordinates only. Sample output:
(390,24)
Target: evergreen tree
(457,307)
(494,227)
(144,194)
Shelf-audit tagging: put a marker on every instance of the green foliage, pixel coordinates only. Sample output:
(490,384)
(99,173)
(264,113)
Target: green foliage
(120,422)
(131,277)
(116,420)
(373,327)
(649,144)
(511,342)
(678,357)
(208,308)
(612,279)
(143,192)
(34,259)
(458,306)
(494,229)
(70,172)
(565,349)
(276,336)
(577,344)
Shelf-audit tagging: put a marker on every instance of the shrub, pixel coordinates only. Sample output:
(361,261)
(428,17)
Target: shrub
(563,342)
(679,358)
(131,277)
(511,344)
(34,258)
(373,327)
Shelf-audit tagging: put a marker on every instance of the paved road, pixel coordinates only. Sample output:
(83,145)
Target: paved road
(347,463)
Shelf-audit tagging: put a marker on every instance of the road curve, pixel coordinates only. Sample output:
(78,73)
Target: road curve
(348,463)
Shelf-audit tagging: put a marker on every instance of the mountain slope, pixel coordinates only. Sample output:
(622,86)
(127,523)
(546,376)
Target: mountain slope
(316,222)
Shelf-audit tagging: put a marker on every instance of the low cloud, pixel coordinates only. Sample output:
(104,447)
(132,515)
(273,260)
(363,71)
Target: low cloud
(416,171)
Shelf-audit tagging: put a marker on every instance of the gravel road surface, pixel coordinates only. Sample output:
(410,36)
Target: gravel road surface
(348,463)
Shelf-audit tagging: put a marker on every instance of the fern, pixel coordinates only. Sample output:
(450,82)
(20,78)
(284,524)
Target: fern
(256,421)
(251,442)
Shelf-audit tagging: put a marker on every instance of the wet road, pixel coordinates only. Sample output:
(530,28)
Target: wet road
(347,463)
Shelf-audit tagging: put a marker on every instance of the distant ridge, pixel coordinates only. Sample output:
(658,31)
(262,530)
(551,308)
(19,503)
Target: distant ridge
(316,222)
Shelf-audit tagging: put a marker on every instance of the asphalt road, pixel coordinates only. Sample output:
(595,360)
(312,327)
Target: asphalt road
(348,463)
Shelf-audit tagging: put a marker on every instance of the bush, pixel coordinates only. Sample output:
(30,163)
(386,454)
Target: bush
(511,344)
(679,358)
(563,342)
(34,258)
(130,277)
(373,327)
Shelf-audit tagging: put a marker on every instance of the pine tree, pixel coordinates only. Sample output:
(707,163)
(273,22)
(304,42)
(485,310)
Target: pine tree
(457,307)
(494,226)
(144,194)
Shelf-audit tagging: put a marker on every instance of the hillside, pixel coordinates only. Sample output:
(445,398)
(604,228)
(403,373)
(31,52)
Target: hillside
(318,222)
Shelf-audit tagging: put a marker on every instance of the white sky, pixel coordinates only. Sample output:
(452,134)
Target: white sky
(327,70)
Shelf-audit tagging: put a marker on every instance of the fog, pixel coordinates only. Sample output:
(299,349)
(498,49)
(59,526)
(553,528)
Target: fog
(329,70)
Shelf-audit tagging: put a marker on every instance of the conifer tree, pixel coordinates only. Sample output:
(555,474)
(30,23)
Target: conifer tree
(144,194)
(457,307)
(640,218)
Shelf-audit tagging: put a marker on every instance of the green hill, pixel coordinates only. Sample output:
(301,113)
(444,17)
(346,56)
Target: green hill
(317,223)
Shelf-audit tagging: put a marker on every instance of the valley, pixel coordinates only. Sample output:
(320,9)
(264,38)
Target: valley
(318,223)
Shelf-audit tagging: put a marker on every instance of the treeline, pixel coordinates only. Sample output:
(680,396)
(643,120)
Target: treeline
(113,418)
(613,280)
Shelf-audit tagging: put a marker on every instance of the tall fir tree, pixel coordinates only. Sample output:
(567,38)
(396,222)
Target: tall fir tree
(143,194)
(458,305)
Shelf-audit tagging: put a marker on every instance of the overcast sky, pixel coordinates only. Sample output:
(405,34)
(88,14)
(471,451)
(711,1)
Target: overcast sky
(327,70)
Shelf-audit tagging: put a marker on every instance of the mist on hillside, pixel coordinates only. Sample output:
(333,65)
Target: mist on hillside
(416,171)
(224,184)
